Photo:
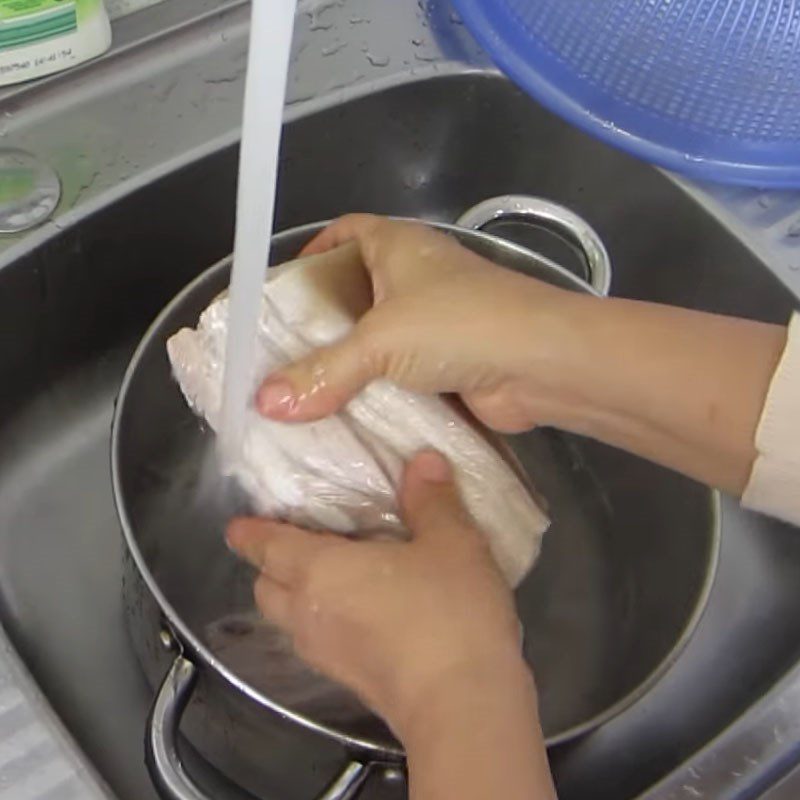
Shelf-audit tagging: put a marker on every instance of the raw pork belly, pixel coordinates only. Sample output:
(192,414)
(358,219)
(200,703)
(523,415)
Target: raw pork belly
(342,473)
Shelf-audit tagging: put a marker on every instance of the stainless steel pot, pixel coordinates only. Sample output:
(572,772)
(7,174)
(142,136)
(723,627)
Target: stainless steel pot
(622,581)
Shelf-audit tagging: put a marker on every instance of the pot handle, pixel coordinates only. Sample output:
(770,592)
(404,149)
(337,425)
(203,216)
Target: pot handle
(548,214)
(164,763)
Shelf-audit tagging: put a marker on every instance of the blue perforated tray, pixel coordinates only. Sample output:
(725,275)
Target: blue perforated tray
(708,88)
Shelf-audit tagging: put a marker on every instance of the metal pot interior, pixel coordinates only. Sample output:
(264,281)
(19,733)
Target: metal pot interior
(624,574)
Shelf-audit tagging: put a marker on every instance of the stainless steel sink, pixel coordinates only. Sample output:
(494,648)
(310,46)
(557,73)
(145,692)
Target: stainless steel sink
(74,302)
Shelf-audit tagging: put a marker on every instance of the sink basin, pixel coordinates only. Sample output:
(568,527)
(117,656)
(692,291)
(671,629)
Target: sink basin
(74,307)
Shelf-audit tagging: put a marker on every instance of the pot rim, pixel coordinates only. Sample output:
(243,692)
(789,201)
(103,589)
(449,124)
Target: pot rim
(365,747)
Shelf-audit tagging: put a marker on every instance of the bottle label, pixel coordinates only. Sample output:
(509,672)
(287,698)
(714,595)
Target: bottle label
(38,37)
(24,22)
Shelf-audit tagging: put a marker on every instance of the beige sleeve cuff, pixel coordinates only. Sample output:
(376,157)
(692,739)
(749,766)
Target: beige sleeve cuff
(774,486)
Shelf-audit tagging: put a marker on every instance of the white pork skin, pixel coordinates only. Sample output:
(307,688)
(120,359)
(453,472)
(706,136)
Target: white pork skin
(342,473)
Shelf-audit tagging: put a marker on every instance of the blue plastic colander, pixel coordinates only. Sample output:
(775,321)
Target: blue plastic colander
(708,88)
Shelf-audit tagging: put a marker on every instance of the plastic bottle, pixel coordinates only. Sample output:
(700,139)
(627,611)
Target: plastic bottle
(38,37)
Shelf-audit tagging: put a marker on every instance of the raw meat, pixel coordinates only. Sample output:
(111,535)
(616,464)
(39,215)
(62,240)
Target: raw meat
(342,473)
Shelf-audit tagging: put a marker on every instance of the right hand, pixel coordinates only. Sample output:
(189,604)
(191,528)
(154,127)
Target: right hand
(424,631)
(443,320)
(397,622)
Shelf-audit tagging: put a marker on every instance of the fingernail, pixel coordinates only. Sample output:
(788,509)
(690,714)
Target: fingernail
(232,533)
(433,467)
(276,397)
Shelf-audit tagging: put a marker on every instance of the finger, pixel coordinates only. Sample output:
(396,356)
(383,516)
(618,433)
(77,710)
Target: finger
(352,226)
(429,498)
(380,238)
(279,551)
(320,384)
(273,601)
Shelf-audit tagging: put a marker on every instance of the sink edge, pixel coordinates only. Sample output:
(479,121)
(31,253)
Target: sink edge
(754,752)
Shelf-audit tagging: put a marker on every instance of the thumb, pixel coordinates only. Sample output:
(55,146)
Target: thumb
(429,498)
(317,385)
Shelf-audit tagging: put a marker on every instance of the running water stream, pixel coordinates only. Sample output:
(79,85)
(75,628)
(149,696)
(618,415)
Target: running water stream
(271,27)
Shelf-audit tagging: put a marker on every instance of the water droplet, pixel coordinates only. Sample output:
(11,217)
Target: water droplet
(316,25)
(377,61)
(300,97)
(793,231)
(333,48)
(227,78)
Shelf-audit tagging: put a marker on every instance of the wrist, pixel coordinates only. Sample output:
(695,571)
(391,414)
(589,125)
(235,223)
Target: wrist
(462,695)
(564,364)
(479,736)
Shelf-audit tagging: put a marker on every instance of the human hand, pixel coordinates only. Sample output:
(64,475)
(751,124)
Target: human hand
(443,320)
(394,621)
(523,353)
